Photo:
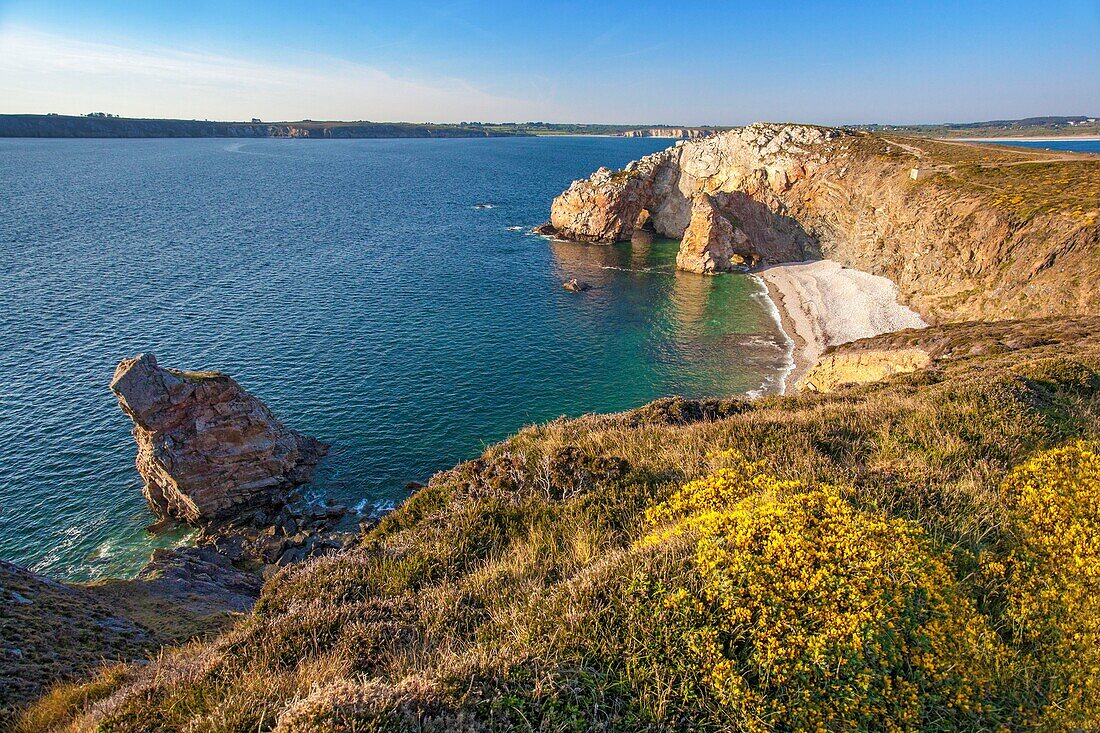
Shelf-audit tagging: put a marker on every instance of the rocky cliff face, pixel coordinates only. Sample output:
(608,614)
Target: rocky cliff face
(207,449)
(713,241)
(678,132)
(977,233)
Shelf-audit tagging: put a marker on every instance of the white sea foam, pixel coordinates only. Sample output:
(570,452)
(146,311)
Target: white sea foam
(635,269)
(764,297)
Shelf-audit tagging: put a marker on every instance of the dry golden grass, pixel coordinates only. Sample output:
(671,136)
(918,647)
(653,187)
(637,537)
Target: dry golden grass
(1023,181)
(514,592)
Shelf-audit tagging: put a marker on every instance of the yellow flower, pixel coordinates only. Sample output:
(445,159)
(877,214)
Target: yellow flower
(821,616)
(1051,577)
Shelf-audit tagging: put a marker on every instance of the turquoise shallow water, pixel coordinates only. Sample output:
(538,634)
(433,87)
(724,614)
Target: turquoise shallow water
(355,286)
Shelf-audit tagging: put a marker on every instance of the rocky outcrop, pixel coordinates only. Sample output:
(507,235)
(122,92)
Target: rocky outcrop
(879,357)
(836,370)
(606,207)
(207,449)
(958,242)
(211,455)
(713,242)
(294,532)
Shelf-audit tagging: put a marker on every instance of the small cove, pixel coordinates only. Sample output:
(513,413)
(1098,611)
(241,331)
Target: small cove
(355,286)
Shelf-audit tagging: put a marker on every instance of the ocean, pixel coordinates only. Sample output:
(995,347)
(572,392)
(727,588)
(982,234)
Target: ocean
(385,296)
(1077,146)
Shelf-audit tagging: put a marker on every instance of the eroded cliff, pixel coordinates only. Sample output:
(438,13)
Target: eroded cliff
(965,231)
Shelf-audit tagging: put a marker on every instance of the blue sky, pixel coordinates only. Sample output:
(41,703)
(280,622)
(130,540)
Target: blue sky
(631,62)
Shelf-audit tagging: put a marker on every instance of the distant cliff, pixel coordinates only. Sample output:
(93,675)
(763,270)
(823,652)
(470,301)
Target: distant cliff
(966,231)
(65,126)
(677,132)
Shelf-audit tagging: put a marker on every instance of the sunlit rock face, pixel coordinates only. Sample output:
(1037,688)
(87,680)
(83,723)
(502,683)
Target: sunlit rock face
(207,449)
(957,250)
(759,161)
(714,242)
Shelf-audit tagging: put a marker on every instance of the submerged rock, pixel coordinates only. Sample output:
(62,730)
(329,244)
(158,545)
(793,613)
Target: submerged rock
(207,449)
(576,286)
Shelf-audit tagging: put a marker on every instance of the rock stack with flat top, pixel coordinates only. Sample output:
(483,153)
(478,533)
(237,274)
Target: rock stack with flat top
(207,449)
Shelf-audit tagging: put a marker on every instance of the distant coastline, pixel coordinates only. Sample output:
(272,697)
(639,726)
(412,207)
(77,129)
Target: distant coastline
(105,126)
(102,125)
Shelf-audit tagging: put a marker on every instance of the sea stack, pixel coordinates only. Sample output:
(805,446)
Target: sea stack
(713,242)
(207,450)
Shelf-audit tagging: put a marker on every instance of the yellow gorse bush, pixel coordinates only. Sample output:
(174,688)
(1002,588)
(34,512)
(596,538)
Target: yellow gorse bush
(1050,580)
(813,615)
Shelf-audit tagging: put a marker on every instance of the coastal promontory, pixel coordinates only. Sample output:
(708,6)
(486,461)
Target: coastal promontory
(965,231)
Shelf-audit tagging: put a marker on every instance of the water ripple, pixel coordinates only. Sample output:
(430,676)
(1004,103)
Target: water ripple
(353,285)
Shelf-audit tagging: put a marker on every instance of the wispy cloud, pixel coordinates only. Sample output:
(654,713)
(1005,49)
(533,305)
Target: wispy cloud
(41,72)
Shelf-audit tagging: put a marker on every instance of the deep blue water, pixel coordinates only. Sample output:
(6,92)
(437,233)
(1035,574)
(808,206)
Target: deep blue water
(1079,146)
(355,286)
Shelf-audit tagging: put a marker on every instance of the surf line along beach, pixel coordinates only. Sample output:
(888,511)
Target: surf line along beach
(822,303)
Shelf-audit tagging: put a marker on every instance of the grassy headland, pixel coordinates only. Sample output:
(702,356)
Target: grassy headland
(1074,126)
(914,554)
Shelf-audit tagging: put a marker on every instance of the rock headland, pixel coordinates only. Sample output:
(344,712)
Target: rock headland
(978,235)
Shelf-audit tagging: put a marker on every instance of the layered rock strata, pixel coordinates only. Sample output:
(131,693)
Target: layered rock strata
(207,449)
(889,354)
(713,241)
(957,241)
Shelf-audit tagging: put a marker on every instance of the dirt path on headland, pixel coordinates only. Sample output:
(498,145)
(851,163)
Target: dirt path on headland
(823,303)
(1028,155)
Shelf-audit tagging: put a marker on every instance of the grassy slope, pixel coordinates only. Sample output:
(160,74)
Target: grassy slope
(518,591)
(54,632)
(1024,181)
